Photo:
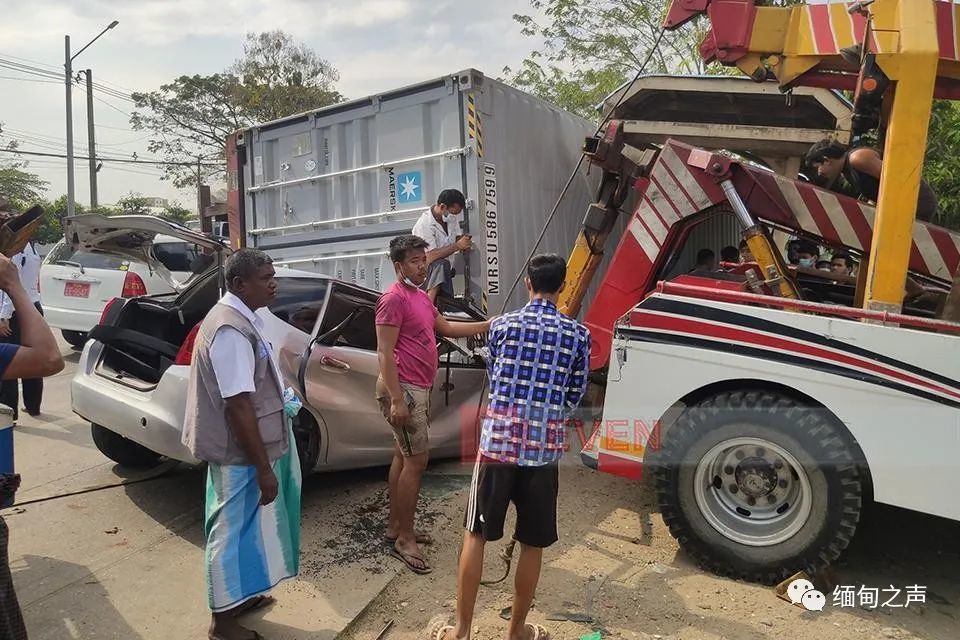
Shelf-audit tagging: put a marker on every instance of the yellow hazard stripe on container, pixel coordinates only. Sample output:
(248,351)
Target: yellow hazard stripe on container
(485,303)
(474,125)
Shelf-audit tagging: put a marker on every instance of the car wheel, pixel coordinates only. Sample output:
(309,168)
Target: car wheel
(123,451)
(75,339)
(307,434)
(757,486)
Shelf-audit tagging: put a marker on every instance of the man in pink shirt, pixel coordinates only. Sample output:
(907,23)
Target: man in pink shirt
(407,328)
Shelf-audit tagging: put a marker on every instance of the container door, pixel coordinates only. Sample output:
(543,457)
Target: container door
(336,186)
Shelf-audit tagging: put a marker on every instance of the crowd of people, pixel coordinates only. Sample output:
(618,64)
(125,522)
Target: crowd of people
(799,253)
(238,421)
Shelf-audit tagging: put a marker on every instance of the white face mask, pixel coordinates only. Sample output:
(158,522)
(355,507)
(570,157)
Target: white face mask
(806,262)
(447,217)
(409,283)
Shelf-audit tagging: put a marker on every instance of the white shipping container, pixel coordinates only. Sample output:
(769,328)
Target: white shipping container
(326,191)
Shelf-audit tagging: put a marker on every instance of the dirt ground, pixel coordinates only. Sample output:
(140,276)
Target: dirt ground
(627,580)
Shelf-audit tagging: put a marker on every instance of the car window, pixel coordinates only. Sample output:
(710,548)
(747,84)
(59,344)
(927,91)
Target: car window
(361,333)
(176,256)
(64,253)
(299,301)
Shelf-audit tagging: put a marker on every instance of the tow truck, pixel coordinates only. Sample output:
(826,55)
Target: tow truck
(769,403)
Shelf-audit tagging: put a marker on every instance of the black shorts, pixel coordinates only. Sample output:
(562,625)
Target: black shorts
(532,490)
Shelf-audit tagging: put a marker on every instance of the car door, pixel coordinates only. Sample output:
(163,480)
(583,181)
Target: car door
(340,377)
(455,402)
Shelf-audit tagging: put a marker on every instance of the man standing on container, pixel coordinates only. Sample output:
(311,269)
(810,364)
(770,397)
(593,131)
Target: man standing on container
(237,421)
(538,366)
(407,327)
(438,227)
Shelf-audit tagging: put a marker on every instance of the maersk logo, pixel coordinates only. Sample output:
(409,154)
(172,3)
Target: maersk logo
(410,187)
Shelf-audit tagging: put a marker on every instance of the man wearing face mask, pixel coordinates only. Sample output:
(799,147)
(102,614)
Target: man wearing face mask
(807,254)
(407,325)
(439,228)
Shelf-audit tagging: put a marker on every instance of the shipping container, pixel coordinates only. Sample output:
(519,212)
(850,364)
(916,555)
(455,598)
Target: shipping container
(325,191)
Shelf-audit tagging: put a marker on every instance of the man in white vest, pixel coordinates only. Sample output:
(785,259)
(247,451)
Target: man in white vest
(238,423)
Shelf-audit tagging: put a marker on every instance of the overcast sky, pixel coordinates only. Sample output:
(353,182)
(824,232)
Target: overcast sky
(375,44)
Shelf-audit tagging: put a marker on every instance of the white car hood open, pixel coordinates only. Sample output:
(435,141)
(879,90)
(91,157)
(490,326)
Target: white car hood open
(132,237)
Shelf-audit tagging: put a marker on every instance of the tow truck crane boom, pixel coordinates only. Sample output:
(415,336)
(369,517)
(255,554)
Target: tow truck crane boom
(897,54)
(909,50)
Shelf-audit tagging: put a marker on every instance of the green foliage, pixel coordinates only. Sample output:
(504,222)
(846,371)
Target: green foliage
(176,213)
(192,116)
(22,186)
(591,47)
(942,166)
(51,228)
(279,76)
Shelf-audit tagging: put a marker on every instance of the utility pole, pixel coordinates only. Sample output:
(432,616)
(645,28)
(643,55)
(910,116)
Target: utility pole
(91,141)
(199,191)
(68,78)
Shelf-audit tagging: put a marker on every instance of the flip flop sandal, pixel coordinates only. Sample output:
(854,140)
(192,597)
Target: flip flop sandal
(406,559)
(437,628)
(422,538)
(539,632)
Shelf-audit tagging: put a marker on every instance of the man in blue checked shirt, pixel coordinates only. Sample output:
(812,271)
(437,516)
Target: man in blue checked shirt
(539,360)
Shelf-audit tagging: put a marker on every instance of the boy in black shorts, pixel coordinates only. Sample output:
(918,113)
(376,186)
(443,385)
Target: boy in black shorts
(539,360)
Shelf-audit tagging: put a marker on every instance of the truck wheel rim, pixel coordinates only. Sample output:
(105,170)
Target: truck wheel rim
(752,491)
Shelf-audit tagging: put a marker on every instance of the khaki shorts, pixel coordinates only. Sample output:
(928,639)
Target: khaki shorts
(414,438)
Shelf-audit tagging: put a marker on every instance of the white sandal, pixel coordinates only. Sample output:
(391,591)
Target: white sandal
(539,632)
(438,627)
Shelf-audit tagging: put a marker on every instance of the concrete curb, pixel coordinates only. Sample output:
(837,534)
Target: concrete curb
(370,603)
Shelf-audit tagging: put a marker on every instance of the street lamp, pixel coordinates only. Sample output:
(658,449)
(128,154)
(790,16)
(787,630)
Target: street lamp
(68,78)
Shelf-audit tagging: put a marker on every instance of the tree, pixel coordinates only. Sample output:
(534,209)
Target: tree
(591,47)
(176,213)
(192,116)
(942,165)
(17,184)
(21,186)
(279,77)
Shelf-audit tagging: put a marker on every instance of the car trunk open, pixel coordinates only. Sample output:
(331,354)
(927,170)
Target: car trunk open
(144,337)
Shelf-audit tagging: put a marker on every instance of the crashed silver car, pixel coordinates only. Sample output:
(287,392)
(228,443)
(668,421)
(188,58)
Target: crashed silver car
(132,377)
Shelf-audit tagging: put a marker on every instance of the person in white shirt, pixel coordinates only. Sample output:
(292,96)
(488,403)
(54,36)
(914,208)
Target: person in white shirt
(439,228)
(27,263)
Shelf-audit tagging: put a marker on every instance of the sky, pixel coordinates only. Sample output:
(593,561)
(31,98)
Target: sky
(376,45)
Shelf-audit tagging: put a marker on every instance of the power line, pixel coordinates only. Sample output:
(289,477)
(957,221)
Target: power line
(53,75)
(105,126)
(105,159)
(60,163)
(42,64)
(37,80)
(59,145)
(30,136)
(112,106)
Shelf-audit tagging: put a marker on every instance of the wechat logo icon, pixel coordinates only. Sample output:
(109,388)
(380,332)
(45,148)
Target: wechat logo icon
(802,592)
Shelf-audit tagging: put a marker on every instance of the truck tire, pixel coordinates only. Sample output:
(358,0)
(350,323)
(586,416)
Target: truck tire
(75,339)
(757,486)
(123,451)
